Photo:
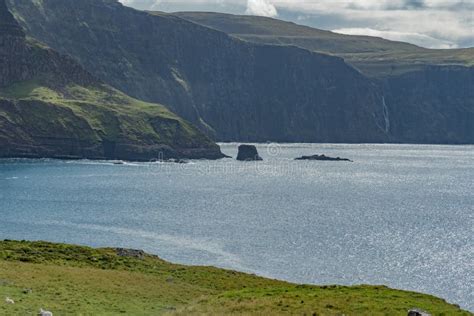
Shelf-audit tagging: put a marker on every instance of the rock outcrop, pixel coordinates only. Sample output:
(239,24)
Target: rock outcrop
(322,158)
(51,107)
(248,153)
(130,253)
(417,312)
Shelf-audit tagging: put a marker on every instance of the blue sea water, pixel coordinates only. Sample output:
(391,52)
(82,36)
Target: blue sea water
(399,215)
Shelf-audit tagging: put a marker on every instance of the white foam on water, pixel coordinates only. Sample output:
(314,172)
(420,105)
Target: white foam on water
(196,244)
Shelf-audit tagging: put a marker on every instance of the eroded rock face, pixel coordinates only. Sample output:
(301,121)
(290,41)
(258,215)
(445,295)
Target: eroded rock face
(131,253)
(22,59)
(54,122)
(434,105)
(38,129)
(230,88)
(248,153)
(418,312)
(8,25)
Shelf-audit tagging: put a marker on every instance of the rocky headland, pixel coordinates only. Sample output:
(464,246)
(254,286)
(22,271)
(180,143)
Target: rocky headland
(50,107)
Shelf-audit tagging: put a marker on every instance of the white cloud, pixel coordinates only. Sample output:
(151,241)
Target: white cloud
(261,7)
(142,4)
(415,38)
(428,23)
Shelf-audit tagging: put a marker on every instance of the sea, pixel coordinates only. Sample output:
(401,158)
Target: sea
(398,215)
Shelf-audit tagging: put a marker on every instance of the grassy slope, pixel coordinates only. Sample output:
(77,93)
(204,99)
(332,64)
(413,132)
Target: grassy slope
(108,111)
(60,110)
(80,280)
(373,55)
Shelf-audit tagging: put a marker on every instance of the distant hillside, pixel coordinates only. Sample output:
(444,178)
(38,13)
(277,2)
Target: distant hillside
(372,55)
(51,107)
(239,90)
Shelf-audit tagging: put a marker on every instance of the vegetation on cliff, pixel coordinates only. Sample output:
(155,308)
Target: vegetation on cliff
(51,107)
(236,90)
(256,79)
(78,280)
(96,122)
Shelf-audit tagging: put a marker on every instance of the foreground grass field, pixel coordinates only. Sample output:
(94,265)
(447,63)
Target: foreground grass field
(73,280)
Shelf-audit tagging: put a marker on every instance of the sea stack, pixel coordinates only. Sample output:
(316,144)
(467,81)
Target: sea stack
(248,153)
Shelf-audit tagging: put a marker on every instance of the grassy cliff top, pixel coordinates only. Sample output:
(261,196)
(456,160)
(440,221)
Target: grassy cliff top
(38,107)
(102,107)
(78,280)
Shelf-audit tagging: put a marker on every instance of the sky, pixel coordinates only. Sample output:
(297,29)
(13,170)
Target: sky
(427,23)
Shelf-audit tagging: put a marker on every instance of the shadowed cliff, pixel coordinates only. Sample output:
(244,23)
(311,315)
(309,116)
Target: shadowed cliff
(244,91)
(233,89)
(51,107)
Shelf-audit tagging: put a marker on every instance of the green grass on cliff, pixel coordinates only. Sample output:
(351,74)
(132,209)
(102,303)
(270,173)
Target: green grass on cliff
(108,111)
(73,280)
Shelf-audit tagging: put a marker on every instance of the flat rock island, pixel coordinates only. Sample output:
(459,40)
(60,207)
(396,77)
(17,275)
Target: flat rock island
(322,158)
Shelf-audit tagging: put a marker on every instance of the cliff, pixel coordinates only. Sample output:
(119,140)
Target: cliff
(229,88)
(239,89)
(432,105)
(374,56)
(428,93)
(51,107)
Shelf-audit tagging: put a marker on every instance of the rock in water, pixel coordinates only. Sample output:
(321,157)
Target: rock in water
(322,158)
(248,153)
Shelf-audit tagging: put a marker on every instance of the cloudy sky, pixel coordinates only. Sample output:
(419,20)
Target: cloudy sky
(428,23)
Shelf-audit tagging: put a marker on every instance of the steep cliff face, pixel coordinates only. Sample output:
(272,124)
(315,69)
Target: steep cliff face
(434,105)
(428,93)
(8,25)
(51,107)
(24,59)
(249,91)
(238,90)
(374,56)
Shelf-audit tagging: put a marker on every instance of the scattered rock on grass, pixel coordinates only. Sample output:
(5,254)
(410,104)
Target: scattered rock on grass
(131,253)
(417,312)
